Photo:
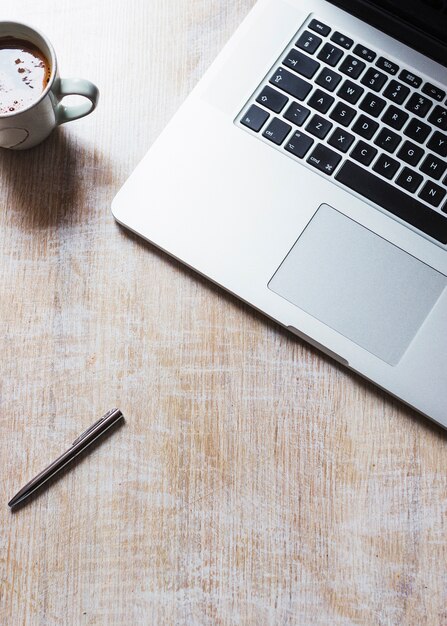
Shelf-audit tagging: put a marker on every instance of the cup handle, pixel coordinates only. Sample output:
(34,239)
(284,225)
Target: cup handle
(75,87)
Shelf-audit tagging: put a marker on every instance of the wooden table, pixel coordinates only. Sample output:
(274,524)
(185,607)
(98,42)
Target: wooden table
(255,481)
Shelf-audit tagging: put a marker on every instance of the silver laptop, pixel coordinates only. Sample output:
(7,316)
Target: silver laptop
(307,175)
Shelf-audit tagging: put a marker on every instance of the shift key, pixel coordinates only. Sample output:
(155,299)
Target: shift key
(290,83)
(324,159)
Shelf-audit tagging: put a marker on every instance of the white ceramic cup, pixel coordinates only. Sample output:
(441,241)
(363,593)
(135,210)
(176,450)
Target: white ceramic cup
(29,126)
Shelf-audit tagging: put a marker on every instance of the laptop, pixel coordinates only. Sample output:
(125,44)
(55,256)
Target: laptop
(307,175)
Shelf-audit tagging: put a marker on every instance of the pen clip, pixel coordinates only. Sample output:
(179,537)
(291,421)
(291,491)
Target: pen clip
(92,427)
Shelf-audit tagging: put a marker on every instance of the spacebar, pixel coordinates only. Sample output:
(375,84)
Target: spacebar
(396,202)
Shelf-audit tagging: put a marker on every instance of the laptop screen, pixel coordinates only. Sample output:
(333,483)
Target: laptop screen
(421,24)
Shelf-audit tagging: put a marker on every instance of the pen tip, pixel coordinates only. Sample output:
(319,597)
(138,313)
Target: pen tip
(21,495)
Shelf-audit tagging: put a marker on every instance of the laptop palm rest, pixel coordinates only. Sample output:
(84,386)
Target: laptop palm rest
(358,284)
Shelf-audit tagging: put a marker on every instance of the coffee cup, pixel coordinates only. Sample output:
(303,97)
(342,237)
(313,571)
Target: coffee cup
(31,90)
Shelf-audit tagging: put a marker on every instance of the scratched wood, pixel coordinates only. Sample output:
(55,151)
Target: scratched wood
(256,482)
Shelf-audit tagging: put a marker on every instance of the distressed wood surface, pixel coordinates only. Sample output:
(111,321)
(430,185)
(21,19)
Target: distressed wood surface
(255,481)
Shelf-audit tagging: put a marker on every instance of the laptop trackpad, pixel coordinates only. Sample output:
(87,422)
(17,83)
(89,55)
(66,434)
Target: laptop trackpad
(359,284)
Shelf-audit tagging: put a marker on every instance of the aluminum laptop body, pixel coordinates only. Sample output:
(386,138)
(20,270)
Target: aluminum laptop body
(247,191)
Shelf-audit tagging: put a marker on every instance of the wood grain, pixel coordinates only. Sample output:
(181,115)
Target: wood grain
(255,482)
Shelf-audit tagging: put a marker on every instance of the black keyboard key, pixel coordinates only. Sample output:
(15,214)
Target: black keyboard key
(352,67)
(342,41)
(319,27)
(272,99)
(387,140)
(386,166)
(277,131)
(320,101)
(409,180)
(319,127)
(365,126)
(328,79)
(410,78)
(364,53)
(299,144)
(308,42)
(395,117)
(255,118)
(396,92)
(363,153)
(419,105)
(410,153)
(342,114)
(330,54)
(432,193)
(291,84)
(372,104)
(374,79)
(297,113)
(434,92)
(387,66)
(341,139)
(301,63)
(324,159)
(350,92)
(397,202)
(438,143)
(438,117)
(417,130)
(433,166)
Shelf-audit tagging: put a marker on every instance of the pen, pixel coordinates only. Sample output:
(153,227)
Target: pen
(81,443)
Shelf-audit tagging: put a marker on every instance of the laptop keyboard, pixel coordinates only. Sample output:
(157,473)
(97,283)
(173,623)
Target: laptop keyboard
(361,119)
